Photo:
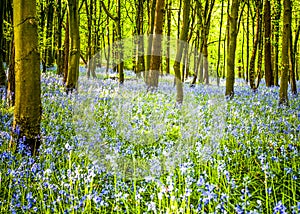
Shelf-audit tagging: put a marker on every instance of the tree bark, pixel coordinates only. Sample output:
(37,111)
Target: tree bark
(283,92)
(182,44)
(169,19)
(268,52)
(151,20)
(276,33)
(2,71)
(59,48)
(66,50)
(49,34)
(11,84)
(27,111)
(255,45)
(140,59)
(156,45)
(232,48)
(74,55)
(219,43)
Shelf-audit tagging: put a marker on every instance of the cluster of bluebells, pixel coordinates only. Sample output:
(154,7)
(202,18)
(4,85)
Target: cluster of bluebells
(114,148)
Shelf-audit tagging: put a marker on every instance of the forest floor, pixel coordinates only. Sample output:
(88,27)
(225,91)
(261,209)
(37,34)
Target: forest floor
(117,149)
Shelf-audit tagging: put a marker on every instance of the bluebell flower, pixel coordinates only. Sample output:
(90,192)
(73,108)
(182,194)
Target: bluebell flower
(279,208)
(200,181)
(239,209)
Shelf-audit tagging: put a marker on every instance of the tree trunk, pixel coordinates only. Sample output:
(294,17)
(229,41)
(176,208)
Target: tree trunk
(74,55)
(232,48)
(291,59)
(169,19)
(49,34)
(156,45)
(66,50)
(59,48)
(91,63)
(120,46)
(180,47)
(295,50)
(276,32)
(255,44)
(151,20)
(268,52)
(205,61)
(219,43)
(139,59)
(2,71)
(283,92)
(260,56)
(248,39)
(27,111)
(11,84)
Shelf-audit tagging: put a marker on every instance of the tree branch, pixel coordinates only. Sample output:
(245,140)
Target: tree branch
(107,12)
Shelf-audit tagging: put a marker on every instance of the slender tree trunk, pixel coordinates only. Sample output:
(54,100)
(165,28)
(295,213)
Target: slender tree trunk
(260,57)
(291,59)
(276,32)
(296,50)
(89,32)
(11,86)
(156,45)
(27,111)
(205,61)
(255,45)
(283,92)
(139,59)
(120,46)
(66,50)
(219,44)
(169,19)
(74,55)
(268,52)
(151,17)
(232,48)
(91,65)
(2,71)
(248,41)
(42,22)
(180,47)
(59,48)
(49,34)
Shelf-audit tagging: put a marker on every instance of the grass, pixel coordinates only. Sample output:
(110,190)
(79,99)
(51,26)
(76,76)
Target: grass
(119,149)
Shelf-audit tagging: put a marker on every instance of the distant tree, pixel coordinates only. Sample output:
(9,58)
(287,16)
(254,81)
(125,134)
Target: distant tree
(49,53)
(60,12)
(169,22)
(276,24)
(233,31)
(27,111)
(156,45)
(2,71)
(119,45)
(91,15)
(74,55)
(296,50)
(66,50)
(151,20)
(219,43)
(283,93)
(291,57)
(253,75)
(139,58)
(11,83)
(181,45)
(269,77)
